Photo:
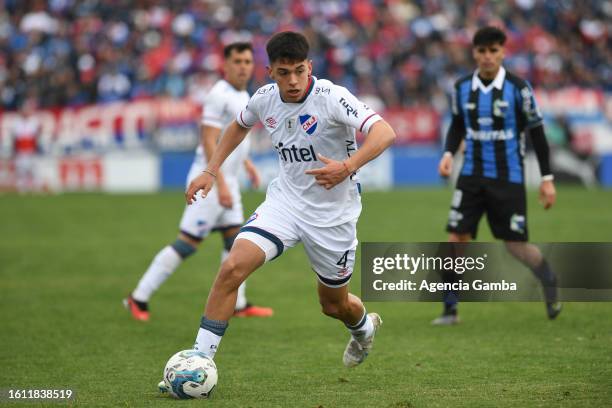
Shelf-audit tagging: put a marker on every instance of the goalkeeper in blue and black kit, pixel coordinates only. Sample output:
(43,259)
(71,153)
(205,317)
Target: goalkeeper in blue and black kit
(492,110)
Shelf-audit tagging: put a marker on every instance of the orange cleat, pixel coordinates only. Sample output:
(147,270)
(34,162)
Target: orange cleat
(138,310)
(254,311)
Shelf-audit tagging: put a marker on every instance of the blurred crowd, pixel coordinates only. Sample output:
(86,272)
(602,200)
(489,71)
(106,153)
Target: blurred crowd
(399,52)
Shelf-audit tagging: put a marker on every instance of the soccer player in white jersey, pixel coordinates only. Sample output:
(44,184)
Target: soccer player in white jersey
(25,133)
(314,200)
(223,210)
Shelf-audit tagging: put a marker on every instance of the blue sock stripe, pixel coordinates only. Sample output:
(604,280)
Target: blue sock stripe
(183,248)
(217,327)
(360,324)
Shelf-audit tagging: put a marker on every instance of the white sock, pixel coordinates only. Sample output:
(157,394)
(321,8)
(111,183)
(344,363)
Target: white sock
(209,336)
(162,266)
(241,300)
(363,332)
(207,342)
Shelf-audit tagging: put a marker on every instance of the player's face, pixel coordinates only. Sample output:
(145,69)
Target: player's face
(291,78)
(488,58)
(238,68)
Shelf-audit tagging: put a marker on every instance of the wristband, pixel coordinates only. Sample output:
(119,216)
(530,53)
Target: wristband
(347,168)
(210,172)
(548,177)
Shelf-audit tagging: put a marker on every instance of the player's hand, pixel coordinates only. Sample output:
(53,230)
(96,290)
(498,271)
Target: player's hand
(332,174)
(225,197)
(446,165)
(548,194)
(204,182)
(253,174)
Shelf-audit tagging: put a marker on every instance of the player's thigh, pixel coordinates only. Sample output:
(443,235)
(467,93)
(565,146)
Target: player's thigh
(331,251)
(507,211)
(467,206)
(333,295)
(271,228)
(244,257)
(199,218)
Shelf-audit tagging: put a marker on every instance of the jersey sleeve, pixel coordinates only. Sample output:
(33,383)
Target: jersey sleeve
(212,112)
(529,107)
(348,110)
(248,117)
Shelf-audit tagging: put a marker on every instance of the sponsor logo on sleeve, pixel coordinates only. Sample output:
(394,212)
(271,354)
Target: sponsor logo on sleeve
(350,110)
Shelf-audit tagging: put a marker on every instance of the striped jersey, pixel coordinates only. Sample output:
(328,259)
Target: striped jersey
(495,117)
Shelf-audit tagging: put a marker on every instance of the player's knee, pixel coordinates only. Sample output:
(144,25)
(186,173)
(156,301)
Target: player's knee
(232,273)
(526,253)
(332,308)
(517,249)
(184,246)
(455,237)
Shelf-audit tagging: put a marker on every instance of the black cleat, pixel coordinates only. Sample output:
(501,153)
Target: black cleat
(553,309)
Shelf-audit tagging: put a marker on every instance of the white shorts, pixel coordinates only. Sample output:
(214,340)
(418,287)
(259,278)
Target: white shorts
(206,214)
(331,250)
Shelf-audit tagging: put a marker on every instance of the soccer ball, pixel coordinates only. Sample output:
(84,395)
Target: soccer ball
(190,374)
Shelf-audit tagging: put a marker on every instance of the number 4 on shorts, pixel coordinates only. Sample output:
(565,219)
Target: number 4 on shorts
(343,259)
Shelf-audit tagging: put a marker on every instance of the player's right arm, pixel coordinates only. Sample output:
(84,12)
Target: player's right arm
(454,136)
(232,137)
(209,137)
(534,121)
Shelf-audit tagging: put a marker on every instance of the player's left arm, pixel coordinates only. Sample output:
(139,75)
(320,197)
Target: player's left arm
(252,173)
(379,138)
(533,117)
(346,109)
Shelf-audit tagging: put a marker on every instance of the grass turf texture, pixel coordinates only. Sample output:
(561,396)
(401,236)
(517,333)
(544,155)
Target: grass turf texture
(67,261)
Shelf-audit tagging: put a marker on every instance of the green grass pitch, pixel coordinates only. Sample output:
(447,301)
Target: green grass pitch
(67,261)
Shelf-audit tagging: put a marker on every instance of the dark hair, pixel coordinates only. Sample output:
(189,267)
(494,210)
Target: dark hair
(488,36)
(238,46)
(287,45)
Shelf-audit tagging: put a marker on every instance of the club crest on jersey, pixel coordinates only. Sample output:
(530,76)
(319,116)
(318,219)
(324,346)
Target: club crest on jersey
(500,107)
(308,123)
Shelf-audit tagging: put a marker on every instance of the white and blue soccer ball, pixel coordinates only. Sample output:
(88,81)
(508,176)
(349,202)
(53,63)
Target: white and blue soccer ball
(190,374)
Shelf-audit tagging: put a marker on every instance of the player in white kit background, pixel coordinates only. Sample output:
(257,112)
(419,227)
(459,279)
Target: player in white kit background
(223,210)
(314,200)
(25,133)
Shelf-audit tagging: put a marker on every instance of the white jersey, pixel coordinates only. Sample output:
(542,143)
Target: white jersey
(323,123)
(25,132)
(222,105)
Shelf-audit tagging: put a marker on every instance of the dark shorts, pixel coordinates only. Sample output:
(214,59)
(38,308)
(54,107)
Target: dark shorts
(505,204)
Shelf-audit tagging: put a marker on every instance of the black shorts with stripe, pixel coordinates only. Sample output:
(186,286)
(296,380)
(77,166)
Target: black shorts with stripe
(505,204)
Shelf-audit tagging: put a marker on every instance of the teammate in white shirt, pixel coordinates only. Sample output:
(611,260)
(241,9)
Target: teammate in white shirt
(315,199)
(223,210)
(25,133)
